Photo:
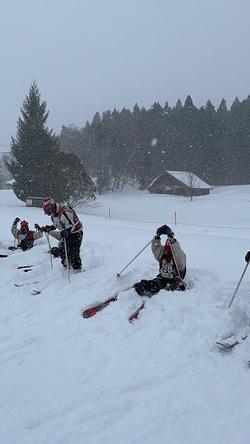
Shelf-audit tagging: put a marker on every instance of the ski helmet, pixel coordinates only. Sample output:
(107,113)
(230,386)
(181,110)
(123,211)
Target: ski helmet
(24,225)
(49,206)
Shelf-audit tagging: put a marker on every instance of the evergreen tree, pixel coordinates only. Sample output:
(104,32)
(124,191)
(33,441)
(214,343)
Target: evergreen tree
(33,149)
(209,141)
(140,145)
(73,184)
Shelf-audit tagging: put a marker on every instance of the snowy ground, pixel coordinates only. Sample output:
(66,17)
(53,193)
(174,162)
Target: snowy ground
(69,380)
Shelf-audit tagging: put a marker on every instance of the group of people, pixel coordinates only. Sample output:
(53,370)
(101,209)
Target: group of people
(67,228)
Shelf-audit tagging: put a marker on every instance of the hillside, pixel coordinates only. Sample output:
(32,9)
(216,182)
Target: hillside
(65,379)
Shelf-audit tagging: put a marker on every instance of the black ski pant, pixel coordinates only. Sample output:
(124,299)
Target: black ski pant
(73,244)
(153,286)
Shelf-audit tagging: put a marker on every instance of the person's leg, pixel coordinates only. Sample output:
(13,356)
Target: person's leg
(55,251)
(63,256)
(75,241)
(150,287)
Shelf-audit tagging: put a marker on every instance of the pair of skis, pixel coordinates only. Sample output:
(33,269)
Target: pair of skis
(227,344)
(12,248)
(25,268)
(27,284)
(94,309)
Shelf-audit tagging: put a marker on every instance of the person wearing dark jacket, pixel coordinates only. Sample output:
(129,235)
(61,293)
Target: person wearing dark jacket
(66,227)
(25,237)
(172,265)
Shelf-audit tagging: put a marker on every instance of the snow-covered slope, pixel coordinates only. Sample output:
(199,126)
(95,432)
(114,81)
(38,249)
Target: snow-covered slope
(65,379)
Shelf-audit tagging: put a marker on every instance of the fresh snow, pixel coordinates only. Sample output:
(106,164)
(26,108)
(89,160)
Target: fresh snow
(190,179)
(69,380)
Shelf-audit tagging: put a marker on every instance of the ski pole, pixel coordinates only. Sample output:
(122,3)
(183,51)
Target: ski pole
(176,266)
(119,274)
(51,262)
(238,285)
(67,259)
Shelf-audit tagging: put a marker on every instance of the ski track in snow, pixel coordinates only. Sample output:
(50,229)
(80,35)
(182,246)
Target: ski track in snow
(65,379)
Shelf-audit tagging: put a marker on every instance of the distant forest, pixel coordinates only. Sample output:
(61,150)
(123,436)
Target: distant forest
(118,146)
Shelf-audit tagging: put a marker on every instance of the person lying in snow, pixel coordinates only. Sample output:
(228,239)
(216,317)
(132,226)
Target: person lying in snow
(25,237)
(66,227)
(172,265)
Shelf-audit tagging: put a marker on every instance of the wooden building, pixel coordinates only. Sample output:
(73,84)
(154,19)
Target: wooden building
(180,183)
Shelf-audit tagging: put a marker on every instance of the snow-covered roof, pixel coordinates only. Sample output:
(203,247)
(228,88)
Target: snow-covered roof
(187,178)
(190,179)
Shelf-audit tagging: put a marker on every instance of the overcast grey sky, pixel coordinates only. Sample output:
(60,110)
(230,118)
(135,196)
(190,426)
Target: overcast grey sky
(94,55)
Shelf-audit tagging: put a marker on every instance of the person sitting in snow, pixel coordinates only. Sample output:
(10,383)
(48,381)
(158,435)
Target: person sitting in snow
(247,257)
(172,265)
(66,227)
(25,237)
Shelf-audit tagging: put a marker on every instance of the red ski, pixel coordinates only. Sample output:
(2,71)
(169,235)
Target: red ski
(135,314)
(91,311)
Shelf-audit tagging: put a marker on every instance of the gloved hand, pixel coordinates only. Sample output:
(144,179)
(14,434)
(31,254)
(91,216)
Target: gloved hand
(17,219)
(164,229)
(65,233)
(48,228)
(247,257)
(37,227)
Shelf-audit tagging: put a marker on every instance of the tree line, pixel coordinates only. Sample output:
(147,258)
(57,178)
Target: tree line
(140,144)
(121,146)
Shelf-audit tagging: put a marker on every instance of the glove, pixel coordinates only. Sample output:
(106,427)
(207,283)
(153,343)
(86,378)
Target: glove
(164,229)
(65,233)
(37,227)
(17,219)
(48,228)
(247,257)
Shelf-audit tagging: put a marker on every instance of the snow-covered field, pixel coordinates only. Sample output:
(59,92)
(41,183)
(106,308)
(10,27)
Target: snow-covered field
(69,380)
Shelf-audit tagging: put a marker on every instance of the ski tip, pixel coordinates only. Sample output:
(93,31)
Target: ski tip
(88,313)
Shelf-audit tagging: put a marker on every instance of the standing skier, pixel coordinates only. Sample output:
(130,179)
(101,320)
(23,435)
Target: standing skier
(172,265)
(66,227)
(25,237)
